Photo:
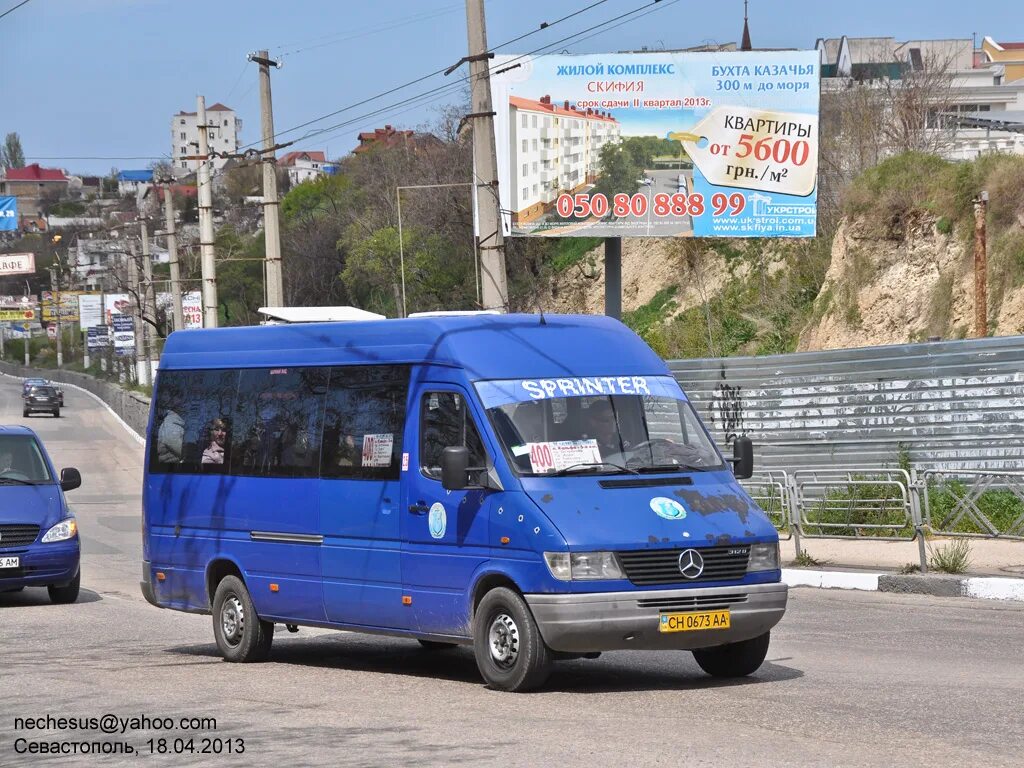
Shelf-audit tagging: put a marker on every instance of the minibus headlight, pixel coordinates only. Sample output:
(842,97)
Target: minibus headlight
(583,566)
(764,557)
(62,531)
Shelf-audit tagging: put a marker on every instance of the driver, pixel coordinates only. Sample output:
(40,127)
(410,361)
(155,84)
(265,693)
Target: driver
(600,425)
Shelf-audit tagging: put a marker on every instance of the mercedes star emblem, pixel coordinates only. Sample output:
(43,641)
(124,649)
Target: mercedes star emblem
(691,564)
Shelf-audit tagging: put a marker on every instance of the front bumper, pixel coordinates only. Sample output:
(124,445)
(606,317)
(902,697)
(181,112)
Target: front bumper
(42,565)
(612,621)
(30,407)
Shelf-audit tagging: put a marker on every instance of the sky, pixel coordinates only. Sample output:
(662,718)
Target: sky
(103,78)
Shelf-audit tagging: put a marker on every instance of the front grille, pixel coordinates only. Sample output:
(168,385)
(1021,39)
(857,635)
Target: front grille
(661,566)
(704,602)
(17,535)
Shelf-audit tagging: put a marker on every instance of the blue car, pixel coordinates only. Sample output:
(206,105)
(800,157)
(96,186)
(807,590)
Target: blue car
(39,545)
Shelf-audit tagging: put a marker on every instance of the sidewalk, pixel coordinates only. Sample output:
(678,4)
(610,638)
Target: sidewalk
(995,572)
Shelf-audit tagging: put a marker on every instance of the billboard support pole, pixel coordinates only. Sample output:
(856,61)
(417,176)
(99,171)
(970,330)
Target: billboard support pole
(85,348)
(613,277)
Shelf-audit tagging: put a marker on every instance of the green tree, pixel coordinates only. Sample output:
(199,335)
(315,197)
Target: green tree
(12,155)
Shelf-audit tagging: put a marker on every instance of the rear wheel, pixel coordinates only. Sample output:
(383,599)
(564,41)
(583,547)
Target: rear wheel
(509,649)
(56,413)
(241,635)
(734,659)
(66,594)
(24,412)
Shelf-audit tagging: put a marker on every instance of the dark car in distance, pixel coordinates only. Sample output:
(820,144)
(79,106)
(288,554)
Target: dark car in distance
(27,385)
(41,398)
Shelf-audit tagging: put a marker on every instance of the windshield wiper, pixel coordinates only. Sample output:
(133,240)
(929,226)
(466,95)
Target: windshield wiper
(591,467)
(17,480)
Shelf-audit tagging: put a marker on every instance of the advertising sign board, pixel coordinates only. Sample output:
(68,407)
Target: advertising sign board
(9,214)
(99,338)
(191,307)
(17,263)
(20,315)
(115,303)
(658,144)
(68,306)
(124,334)
(90,309)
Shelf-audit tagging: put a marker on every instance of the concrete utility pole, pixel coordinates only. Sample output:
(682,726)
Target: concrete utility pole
(980,267)
(209,267)
(141,370)
(271,225)
(172,249)
(55,277)
(613,277)
(485,163)
(149,306)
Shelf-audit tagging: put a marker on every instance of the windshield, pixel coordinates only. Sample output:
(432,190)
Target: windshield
(21,463)
(642,424)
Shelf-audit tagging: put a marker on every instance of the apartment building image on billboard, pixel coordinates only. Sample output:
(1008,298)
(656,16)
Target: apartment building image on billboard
(554,148)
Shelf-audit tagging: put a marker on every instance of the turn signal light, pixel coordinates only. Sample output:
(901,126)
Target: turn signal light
(406,600)
(505,539)
(274,588)
(160,576)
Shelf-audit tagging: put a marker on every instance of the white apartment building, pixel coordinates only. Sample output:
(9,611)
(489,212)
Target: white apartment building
(553,149)
(305,166)
(222,133)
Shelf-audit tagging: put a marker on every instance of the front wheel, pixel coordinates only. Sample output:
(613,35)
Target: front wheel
(241,635)
(66,594)
(734,659)
(507,643)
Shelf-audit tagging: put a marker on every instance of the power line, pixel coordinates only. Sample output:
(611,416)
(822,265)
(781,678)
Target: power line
(542,27)
(135,157)
(12,10)
(446,89)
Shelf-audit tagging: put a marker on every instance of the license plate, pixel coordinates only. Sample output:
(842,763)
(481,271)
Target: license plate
(691,622)
(9,562)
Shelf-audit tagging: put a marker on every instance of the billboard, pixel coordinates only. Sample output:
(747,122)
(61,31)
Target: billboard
(191,307)
(658,144)
(17,263)
(27,314)
(90,309)
(114,304)
(68,306)
(98,337)
(9,214)
(124,334)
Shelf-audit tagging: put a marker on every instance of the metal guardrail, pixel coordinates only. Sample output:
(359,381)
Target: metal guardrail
(885,504)
(974,503)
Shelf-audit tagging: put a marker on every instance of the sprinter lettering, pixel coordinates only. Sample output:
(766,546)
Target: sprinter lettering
(540,389)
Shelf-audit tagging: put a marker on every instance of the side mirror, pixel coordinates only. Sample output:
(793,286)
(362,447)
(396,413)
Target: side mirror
(454,468)
(70,478)
(742,457)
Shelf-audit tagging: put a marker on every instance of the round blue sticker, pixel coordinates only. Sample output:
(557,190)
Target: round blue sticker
(668,508)
(437,520)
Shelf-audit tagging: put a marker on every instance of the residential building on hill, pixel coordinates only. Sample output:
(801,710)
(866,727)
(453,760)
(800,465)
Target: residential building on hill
(1009,55)
(128,182)
(388,137)
(305,166)
(554,148)
(33,186)
(223,132)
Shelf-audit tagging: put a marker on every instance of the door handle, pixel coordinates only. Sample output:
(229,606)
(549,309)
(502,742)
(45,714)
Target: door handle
(419,508)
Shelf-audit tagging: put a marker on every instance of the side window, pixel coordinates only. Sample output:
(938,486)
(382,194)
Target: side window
(364,421)
(445,421)
(192,423)
(277,422)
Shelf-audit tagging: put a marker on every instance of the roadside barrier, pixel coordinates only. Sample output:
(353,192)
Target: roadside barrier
(891,504)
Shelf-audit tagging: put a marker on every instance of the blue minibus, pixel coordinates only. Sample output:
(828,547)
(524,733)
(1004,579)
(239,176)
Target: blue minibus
(537,487)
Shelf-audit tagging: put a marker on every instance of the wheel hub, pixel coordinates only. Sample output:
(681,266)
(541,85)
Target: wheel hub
(232,617)
(504,641)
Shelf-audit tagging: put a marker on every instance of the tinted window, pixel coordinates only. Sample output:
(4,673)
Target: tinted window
(446,421)
(364,421)
(192,424)
(277,422)
(42,392)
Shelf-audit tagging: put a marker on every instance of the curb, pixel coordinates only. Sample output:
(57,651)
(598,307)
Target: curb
(981,587)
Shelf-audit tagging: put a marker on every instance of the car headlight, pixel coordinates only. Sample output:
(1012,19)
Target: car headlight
(583,566)
(62,531)
(764,557)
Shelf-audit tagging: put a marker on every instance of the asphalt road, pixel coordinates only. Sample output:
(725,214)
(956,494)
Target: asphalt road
(852,679)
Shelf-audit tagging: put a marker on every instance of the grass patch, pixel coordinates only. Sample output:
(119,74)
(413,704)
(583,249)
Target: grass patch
(1002,508)
(804,560)
(571,250)
(908,568)
(954,557)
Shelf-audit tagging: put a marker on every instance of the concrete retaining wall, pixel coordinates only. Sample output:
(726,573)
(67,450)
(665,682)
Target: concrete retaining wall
(132,407)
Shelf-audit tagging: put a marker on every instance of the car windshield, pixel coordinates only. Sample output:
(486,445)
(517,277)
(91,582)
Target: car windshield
(43,391)
(21,462)
(642,424)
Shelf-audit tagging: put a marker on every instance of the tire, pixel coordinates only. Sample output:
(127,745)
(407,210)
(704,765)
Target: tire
(435,645)
(24,413)
(66,594)
(510,652)
(242,636)
(734,659)
(56,413)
